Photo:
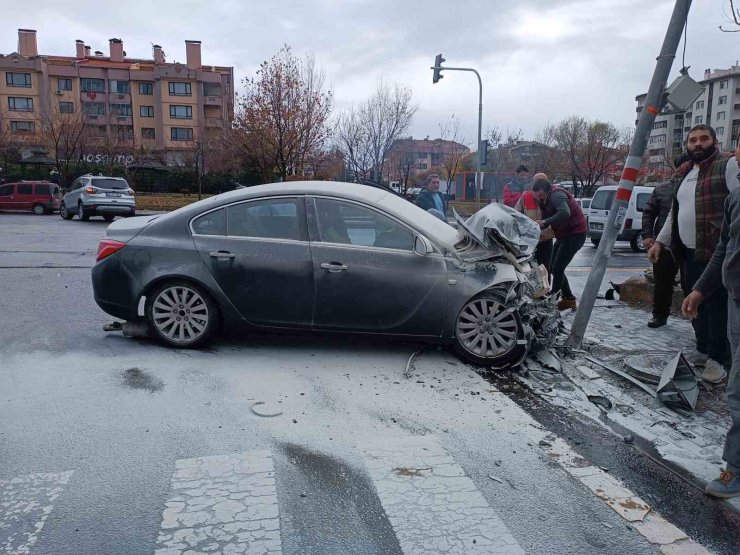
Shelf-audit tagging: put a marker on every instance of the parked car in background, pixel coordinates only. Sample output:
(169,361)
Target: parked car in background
(585,204)
(329,257)
(97,195)
(631,226)
(412,193)
(39,197)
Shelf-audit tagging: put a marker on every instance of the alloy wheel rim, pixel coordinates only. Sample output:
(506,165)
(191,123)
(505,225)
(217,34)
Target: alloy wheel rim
(63,211)
(640,242)
(486,328)
(180,314)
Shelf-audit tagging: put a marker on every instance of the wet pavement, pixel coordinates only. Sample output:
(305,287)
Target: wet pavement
(143,447)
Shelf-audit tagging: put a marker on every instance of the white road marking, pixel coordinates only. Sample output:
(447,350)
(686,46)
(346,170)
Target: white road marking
(226,503)
(433,506)
(25,504)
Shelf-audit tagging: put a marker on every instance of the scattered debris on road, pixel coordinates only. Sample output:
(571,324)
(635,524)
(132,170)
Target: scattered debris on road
(263,413)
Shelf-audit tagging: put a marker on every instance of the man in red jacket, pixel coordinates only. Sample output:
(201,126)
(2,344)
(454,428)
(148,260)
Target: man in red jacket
(514,189)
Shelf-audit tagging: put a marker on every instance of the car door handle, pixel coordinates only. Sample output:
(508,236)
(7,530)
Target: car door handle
(334,267)
(222,255)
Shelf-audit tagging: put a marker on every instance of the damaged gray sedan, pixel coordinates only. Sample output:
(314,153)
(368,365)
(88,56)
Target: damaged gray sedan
(329,257)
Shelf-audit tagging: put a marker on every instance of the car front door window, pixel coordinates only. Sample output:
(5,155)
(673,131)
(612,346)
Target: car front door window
(352,224)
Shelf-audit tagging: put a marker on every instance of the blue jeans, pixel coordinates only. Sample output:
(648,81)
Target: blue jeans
(732,441)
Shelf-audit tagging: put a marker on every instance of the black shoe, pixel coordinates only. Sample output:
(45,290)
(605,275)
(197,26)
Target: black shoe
(657,322)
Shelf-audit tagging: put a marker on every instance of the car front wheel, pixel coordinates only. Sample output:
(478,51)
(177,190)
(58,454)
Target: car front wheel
(638,243)
(181,315)
(64,213)
(487,331)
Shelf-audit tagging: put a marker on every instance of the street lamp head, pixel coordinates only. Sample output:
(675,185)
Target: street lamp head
(437,68)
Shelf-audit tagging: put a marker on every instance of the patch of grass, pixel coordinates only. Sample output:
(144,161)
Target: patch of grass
(164,201)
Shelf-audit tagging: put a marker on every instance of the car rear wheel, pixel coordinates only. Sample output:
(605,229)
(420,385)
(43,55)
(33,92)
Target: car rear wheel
(64,213)
(39,209)
(81,213)
(181,314)
(595,242)
(487,331)
(638,243)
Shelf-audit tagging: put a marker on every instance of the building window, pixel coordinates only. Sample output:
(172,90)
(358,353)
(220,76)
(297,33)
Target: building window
(120,87)
(92,85)
(99,130)
(181,112)
(698,120)
(722,100)
(64,84)
(120,110)
(93,108)
(211,89)
(146,88)
(657,139)
(180,89)
(146,111)
(720,131)
(181,133)
(723,84)
(18,79)
(66,108)
(721,116)
(700,105)
(147,133)
(19,104)
(124,132)
(22,127)
(660,125)
(719,146)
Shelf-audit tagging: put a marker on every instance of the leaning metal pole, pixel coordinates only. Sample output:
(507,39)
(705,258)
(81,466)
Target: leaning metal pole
(653,104)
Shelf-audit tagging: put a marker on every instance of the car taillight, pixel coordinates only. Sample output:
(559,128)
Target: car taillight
(628,223)
(130,192)
(108,247)
(91,190)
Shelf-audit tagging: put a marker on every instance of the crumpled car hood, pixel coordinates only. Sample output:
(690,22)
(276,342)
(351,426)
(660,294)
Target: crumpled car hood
(498,227)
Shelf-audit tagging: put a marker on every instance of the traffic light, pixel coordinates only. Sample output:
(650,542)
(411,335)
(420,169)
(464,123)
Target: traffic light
(437,68)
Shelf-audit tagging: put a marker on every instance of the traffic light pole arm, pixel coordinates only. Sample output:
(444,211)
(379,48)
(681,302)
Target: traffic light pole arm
(480,125)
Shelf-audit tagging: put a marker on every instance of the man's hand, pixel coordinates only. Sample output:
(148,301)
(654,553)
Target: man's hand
(654,252)
(691,304)
(541,223)
(648,242)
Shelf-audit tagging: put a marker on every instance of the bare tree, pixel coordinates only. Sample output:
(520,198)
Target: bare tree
(589,148)
(733,17)
(65,135)
(454,150)
(353,143)
(283,115)
(500,143)
(545,156)
(402,160)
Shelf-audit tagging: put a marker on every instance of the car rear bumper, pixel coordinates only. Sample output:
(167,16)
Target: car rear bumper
(113,209)
(115,289)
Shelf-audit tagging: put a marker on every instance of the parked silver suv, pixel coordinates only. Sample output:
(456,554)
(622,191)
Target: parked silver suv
(98,195)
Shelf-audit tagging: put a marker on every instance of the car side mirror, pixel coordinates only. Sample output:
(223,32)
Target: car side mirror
(422,246)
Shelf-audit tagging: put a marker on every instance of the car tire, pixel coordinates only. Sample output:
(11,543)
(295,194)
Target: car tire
(108,218)
(595,242)
(131,214)
(81,213)
(169,318)
(492,340)
(64,213)
(39,209)
(637,243)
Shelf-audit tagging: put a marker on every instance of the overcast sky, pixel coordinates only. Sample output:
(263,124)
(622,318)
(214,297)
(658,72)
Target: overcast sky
(541,60)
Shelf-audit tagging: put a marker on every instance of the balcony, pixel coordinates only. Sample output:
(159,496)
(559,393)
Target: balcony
(116,98)
(121,120)
(97,119)
(212,100)
(214,122)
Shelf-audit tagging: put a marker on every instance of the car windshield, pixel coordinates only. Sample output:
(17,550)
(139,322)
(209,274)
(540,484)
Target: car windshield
(118,184)
(602,200)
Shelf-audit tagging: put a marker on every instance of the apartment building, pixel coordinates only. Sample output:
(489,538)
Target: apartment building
(160,105)
(718,106)
(424,154)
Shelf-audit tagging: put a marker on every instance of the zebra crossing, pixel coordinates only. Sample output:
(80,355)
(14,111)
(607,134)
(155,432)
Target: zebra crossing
(229,504)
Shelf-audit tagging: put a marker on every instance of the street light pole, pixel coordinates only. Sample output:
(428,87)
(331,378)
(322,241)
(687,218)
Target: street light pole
(437,67)
(653,104)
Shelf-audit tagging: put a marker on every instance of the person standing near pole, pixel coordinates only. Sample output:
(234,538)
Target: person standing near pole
(561,212)
(724,267)
(654,216)
(692,232)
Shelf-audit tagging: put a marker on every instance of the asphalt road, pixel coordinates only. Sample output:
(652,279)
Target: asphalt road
(106,442)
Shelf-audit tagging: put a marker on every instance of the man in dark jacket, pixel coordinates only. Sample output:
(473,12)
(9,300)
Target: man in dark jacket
(514,189)
(692,232)
(665,269)
(563,214)
(430,197)
(725,267)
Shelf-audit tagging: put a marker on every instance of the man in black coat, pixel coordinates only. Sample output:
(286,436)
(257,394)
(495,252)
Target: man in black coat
(430,197)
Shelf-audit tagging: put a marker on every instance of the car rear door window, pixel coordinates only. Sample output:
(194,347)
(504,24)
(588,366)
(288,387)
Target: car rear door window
(42,189)
(352,224)
(602,200)
(212,223)
(281,218)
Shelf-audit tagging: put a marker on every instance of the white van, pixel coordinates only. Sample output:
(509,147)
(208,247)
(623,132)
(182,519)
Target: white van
(631,226)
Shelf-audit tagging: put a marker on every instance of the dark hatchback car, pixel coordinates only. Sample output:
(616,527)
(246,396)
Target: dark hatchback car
(39,197)
(315,256)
